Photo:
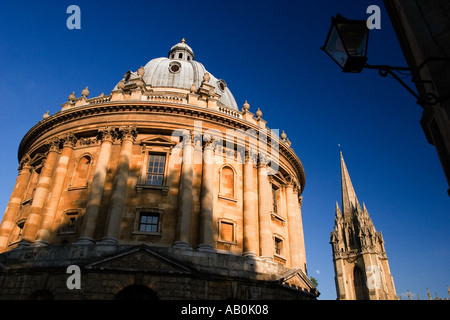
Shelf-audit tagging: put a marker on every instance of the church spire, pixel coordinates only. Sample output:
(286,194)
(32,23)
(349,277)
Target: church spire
(349,199)
(338,211)
(358,250)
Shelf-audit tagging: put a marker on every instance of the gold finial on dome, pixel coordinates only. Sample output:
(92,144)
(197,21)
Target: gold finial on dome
(183,41)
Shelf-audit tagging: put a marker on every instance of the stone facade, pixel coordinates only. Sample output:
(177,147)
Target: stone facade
(172,184)
(359,256)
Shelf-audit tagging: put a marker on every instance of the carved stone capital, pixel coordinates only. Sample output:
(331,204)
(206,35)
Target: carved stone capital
(250,156)
(69,140)
(25,163)
(108,134)
(208,141)
(54,144)
(188,137)
(263,160)
(128,133)
(290,181)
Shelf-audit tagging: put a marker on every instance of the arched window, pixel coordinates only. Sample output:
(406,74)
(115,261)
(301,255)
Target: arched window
(32,184)
(227,183)
(81,174)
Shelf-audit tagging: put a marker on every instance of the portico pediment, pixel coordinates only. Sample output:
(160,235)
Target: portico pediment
(139,259)
(296,279)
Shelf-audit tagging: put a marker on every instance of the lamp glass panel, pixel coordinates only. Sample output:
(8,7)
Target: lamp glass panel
(354,36)
(335,48)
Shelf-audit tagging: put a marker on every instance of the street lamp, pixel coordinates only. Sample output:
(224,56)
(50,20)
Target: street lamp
(347,43)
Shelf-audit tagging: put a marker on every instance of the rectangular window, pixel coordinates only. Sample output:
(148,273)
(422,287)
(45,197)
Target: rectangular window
(149,222)
(278,247)
(226,231)
(274,199)
(155,171)
(69,222)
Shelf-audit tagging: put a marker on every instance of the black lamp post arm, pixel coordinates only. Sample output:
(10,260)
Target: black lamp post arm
(385,70)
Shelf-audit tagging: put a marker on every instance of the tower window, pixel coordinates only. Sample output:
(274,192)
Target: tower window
(180,56)
(227,182)
(274,199)
(69,222)
(155,171)
(278,246)
(80,178)
(221,84)
(227,232)
(20,225)
(149,222)
(174,67)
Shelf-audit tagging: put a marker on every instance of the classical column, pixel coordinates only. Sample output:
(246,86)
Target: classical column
(207,196)
(185,193)
(250,209)
(40,195)
(14,202)
(97,187)
(116,205)
(302,252)
(264,204)
(48,215)
(294,245)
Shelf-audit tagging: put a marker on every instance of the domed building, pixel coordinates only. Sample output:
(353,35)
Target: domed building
(162,189)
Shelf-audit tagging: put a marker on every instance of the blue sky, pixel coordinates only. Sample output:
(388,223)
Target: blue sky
(269,53)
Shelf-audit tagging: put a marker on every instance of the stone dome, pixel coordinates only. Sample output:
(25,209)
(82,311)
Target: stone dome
(180,70)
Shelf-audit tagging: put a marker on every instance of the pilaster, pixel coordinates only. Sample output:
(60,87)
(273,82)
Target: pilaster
(41,194)
(48,215)
(264,208)
(13,206)
(207,196)
(128,135)
(251,240)
(185,193)
(107,136)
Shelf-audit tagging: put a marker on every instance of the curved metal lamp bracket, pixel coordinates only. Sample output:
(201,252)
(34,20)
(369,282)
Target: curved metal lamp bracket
(430,99)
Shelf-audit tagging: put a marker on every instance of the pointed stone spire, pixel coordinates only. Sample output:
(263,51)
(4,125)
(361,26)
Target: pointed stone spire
(349,199)
(338,211)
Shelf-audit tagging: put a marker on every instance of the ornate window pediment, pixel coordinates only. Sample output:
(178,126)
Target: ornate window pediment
(158,141)
(155,164)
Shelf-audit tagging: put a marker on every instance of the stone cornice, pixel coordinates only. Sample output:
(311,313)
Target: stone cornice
(186,110)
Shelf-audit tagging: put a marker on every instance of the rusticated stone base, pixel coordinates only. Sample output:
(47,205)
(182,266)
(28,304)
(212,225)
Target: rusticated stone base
(136,272)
